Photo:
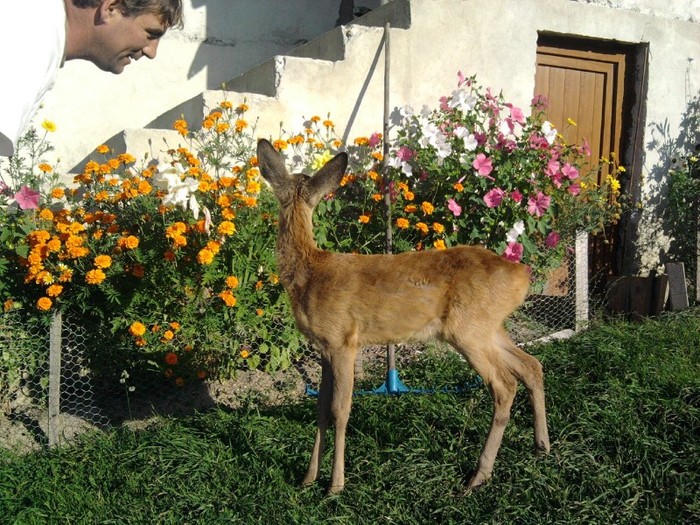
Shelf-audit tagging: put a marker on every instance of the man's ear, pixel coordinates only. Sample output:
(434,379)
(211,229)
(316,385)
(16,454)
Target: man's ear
(109,8)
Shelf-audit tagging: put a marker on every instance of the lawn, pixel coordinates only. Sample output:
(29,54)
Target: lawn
(624,418)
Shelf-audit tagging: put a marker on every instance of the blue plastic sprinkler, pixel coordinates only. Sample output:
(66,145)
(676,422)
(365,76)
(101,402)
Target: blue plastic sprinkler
(394,386)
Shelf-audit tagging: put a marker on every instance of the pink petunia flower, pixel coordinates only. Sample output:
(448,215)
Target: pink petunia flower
(455,208)
(514,252)
(374,140)
(482,164)
(517,115)
(552,240)
(494,197)
(538,204)
(27,198)
(569,171)
(405,154)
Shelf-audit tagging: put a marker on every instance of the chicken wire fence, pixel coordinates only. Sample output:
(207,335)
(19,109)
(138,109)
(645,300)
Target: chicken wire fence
(52,390)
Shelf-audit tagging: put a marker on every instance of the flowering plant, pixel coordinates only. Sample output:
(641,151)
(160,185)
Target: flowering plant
(477,170)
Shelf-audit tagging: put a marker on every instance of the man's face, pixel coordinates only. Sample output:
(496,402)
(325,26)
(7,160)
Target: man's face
(121,39)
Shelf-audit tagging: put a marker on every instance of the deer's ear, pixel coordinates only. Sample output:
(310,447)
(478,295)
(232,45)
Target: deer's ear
(328,177)
(271,165)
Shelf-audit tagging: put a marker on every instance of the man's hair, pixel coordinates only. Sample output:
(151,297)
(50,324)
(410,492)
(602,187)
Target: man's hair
(170,11)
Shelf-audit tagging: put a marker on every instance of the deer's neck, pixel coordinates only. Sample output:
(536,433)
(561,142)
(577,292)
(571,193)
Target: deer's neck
(296,247)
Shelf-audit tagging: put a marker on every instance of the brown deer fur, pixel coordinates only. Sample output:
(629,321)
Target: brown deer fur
(342,302)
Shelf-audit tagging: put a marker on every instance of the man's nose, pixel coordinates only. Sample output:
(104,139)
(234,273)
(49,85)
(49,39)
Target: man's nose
(151,49)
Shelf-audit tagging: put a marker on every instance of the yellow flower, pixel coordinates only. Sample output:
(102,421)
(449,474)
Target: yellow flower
(137,329)
(95,276)
(58,193)
(422,227)
(168,335)
(232,281)
(103,261)
(50,127)
(571,122)
(320,159)
(103,149)
(245,354)
(440,244)
(44,304)
(45,168)
(427,208)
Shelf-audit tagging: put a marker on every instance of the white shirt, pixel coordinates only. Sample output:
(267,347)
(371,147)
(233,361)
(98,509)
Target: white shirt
(32,47)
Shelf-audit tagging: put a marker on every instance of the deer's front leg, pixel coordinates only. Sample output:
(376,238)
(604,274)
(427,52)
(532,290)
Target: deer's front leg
(323,416)
(343,367)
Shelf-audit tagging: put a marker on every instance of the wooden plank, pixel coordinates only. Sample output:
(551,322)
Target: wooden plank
(617,295)
(639,297)
(659,295)
(678,292)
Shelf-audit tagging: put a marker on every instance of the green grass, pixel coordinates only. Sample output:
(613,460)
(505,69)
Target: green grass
(624,419)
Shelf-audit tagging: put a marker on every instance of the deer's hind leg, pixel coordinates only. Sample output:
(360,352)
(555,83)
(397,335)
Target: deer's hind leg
(485,356)
(528,370)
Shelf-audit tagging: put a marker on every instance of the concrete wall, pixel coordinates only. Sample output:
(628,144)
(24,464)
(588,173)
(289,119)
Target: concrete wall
(495,39)
(220,40)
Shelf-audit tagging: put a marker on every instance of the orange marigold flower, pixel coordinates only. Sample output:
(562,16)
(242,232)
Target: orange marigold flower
(58,193)
(103,261)
(222,127)
(361,141)
(408,195)
(226,228)
(225,105)
(130,242)
(458,186)
(242,108)
(274,278)
(45,168)
(46,214)
(95,276)
(54,290)
(329,124)
(245,354)
(438,228)
(422,227)
(253,187)
(315,119)
(168,335)
(228,298)
(240,125)
(364,219)
(8,305)
(175,326)
(427,208)
(280,144)
(440,244)
(171,358)
(44,304)
(402,223)
(410,208)
(205,256)
(377,197)
(232,281)
(259,285)
(259,312)
(103,148)
(139,270)
(137,329)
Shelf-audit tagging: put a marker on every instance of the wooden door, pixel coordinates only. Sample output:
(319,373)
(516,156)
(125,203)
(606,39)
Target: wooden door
(584,83)
(585,90)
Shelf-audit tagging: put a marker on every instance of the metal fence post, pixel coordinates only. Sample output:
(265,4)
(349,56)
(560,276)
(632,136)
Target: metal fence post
(54,377)
(581,293)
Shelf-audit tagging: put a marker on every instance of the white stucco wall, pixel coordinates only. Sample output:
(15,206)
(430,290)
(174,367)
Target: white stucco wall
(220,40)
(495,39)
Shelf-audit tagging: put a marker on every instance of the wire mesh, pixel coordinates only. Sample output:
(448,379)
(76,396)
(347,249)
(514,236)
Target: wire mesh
(98,393)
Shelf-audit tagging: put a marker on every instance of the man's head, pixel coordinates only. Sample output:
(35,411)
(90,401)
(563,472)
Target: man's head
(111,33)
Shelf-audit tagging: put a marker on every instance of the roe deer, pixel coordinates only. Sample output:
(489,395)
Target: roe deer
(343,301)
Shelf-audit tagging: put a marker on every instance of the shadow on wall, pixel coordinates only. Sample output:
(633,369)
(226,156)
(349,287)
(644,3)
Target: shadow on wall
(671,151)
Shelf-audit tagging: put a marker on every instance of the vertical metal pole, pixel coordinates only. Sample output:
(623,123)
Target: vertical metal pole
(581,294)
(390,351)
(54,377)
